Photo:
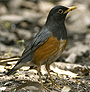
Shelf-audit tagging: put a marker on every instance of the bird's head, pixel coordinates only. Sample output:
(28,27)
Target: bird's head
(58,13)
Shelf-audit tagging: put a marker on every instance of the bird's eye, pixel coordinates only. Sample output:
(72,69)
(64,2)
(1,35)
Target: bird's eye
(60,11)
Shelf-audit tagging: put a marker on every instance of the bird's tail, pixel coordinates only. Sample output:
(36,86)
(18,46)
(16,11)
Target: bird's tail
(16,67)
(21,62)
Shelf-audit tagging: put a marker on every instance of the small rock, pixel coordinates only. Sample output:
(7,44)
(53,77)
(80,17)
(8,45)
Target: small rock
(71,58)
(87,39)
(65,2)
(2,89)
(3,9)
(1,75)
(66,89)
(24,34)
(12,18)
(45,6)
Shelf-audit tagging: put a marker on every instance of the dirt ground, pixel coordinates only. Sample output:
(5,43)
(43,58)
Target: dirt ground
(20,21)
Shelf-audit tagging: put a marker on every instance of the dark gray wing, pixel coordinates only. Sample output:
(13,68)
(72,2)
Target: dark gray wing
(39,39)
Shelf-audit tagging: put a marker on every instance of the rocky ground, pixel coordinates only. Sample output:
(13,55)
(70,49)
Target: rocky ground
(20,20)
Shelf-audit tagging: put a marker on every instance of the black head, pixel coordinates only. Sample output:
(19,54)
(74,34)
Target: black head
(55,21)
(58,13)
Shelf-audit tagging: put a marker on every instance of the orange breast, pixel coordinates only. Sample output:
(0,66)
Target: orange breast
(49,48)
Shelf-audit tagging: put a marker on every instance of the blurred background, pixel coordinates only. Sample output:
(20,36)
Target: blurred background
(21,20)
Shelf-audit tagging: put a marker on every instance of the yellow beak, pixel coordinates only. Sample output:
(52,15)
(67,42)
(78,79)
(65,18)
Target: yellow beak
(70,9)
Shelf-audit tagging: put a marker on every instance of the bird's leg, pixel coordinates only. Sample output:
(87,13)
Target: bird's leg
(38,70)
(47,68)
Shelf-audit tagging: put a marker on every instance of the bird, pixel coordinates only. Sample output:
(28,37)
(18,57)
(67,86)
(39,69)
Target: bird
(49,43)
